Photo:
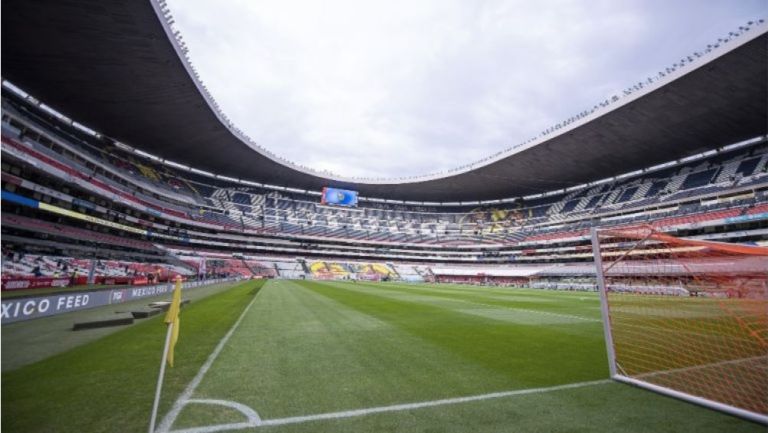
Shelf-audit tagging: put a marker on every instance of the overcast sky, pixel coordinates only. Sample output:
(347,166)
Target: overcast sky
(405,87)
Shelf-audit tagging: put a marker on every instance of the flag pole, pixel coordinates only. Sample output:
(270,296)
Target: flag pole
(153,419)
(171,335)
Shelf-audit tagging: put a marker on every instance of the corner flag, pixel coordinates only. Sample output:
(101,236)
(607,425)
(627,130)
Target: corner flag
(172,319)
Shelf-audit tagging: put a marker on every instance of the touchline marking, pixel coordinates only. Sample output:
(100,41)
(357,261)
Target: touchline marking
(178,405)
(251,414)
(383,409)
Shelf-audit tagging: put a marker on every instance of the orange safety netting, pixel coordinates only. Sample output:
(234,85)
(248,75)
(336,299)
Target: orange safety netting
(689,315)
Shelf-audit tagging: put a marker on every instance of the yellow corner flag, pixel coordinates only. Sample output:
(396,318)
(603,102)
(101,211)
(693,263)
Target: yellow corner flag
(172,317)
(172,334)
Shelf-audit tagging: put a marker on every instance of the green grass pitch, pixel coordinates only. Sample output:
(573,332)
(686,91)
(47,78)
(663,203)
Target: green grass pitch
(355,357)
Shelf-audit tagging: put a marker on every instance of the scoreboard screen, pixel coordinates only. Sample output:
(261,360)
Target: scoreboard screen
(339,197)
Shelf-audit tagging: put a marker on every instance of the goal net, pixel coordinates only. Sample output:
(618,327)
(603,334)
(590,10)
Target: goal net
(686,318)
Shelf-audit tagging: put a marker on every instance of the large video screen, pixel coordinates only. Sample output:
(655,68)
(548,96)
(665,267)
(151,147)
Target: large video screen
(339,197)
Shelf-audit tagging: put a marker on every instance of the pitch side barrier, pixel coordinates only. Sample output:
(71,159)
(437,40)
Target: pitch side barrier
(21,309)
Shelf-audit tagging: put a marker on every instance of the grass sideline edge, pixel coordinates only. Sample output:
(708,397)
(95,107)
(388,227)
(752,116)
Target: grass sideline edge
(110,382)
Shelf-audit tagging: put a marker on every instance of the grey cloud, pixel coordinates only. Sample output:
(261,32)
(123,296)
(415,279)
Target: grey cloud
(399,88)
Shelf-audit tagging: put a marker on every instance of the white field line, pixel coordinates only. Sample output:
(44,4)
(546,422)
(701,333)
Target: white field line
(245,410)
(383,409)
(178,405)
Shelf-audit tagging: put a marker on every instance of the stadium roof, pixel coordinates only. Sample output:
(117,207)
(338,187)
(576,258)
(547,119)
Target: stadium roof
(113,66)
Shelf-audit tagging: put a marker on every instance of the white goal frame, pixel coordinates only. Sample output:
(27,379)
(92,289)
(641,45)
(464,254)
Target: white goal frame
(619,377)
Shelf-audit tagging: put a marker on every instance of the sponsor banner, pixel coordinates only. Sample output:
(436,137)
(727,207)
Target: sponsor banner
(33,283)
(15,198)
(745,218)
(112,281)
(84,217)
(16,310)
(20,309)
(35,187)
(83,203)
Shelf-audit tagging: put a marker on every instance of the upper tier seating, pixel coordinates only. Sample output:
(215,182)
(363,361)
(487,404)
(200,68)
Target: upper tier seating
(245,209)
(162,192)
(31,265)
(73,232)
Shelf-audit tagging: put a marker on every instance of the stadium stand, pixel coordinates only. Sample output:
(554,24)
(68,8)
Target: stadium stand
(208,204)
(66,192)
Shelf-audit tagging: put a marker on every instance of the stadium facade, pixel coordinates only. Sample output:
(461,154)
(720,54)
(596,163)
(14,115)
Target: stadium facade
(121,170)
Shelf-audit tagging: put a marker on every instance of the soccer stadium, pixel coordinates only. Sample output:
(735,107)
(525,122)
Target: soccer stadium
(163,272)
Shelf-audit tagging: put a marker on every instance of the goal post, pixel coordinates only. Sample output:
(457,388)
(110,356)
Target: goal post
(686,318)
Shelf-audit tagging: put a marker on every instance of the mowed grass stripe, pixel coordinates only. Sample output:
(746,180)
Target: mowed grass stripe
(586,306)
(512,293)
(558,357)
(477,306)
(298,352)
(108,385)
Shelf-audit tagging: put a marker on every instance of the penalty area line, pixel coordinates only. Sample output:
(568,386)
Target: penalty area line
(180,402)
(384,409)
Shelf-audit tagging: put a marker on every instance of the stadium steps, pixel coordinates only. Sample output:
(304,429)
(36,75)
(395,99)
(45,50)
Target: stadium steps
(516,236)
(762,166)
(674,186)
(249,221)
(394,271)
(191,187)
(557,208)
(582,203)
(247,266)
(173,259)
(642,190)
(727,172)
(610,198)
(304,266)
(588,198)
(218,197)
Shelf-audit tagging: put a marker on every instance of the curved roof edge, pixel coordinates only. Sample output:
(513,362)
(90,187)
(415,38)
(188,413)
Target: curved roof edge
(114,67)
(609,104)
